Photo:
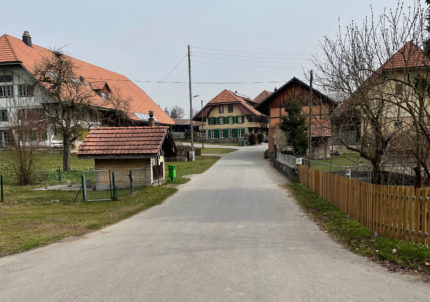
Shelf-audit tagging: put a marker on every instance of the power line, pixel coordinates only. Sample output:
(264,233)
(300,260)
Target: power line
(244,51)
(168,75)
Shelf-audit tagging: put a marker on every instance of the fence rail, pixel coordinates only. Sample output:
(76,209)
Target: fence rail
(395,211)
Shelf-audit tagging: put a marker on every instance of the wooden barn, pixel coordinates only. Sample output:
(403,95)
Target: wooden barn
(140,150)
(322,106)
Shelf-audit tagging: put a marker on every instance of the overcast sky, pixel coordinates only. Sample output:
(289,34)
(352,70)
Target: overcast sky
(232,41)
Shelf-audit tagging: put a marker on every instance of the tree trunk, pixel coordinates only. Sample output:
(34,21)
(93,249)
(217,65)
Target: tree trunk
(66,154)
(376,174)
(418,176)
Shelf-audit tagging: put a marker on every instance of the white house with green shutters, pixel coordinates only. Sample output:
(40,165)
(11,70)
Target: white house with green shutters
(229,116)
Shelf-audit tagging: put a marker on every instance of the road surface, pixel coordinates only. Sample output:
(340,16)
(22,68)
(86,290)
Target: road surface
(230,234)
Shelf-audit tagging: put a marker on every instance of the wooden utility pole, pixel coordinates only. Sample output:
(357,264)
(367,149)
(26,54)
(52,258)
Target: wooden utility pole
(203,132)
(191,99)
(310,121)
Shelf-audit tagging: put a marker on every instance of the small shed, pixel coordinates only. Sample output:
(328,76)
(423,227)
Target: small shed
(140,150)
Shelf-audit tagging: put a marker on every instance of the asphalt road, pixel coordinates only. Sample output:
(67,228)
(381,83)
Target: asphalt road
(231,234)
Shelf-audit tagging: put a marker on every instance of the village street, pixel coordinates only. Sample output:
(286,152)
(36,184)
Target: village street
(231,234)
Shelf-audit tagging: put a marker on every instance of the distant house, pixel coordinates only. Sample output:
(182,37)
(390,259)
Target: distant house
(181,125)
(123,149)
(229,116)
(19,59)
(261,97)
(322,106)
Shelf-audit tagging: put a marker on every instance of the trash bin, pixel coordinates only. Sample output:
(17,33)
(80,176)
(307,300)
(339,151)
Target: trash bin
(172,172)
(242,142)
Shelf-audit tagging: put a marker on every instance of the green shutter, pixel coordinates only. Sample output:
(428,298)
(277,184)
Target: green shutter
(3,116)
(1,137)
(225,119)
(225,133)
(217,133)
(234,132)
(217,120)
(243,119)
(235,120)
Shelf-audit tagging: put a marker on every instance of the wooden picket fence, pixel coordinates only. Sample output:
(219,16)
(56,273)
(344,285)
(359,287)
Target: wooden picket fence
(394,211)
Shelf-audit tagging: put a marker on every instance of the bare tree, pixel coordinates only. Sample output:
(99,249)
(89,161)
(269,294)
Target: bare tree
(177,112)
(67,100)
(361,65)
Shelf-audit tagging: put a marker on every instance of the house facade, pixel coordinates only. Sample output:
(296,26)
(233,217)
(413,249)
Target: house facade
(229,116)
(21,98)
(322,106)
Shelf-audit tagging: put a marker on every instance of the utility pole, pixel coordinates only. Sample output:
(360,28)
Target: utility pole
(310,121)
(191,99)
(203,132)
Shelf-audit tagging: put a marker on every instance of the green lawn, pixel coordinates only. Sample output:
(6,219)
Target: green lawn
(217,150)
(349,159)
(47,164)
(31,218)
(201,164)
(358,238)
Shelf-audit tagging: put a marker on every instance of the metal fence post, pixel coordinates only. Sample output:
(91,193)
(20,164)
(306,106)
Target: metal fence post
(1,189)
(84,188)
(130,175)
(114,195)
(59,174)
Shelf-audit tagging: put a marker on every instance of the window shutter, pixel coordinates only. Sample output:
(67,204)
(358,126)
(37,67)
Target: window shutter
(236,120)
(217,133)
(225,119)
(234,131)
(5,115)
(225,133)
(243,119)
(1,138)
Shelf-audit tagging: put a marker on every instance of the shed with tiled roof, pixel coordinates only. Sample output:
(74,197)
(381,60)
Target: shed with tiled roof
(140,150)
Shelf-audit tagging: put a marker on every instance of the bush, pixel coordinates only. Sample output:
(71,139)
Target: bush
(252,139)
(260,138)
(246,138)
(187,135)
(268,154)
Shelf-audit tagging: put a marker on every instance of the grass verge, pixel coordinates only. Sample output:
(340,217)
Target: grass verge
(359,239)
(201,164)
(29,218)
(218,150)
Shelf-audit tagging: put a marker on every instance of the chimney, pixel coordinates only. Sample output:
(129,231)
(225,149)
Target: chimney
(151,118)
(26,38)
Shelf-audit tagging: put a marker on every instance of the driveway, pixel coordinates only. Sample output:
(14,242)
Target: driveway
(231,234)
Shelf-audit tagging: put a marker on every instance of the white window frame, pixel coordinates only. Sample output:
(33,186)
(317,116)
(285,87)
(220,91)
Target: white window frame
(221,120)
(212,134)
(7,91)
(239,133)
(221,133)
(231,121)
(239,119)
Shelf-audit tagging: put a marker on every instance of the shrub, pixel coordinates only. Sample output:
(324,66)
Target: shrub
(252,139)
(260,138)
(246,138)
(268,154)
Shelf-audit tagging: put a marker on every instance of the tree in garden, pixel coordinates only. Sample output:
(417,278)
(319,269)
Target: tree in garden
(294,126)
(177,112)
(378,69)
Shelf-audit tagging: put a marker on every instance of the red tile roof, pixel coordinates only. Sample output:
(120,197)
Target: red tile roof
(262,96)
(410,55)
(126,141)
(13,49)
(226,96)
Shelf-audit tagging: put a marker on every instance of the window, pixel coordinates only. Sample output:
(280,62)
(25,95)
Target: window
(231,120)
(25,90)
(76,81)
(230,108)
(240,133)
(6,91)
(221,120)
(221,109)
(4,78)
(3,115)
(239,119)
(221,134)
(212,134)
(399,89)
(53,74)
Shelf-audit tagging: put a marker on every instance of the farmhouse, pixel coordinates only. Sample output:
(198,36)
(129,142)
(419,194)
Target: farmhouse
(140,150)
(322,106)
(19,97)
(229,116)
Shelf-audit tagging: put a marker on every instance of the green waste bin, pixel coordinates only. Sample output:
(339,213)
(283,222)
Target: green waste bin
(242,142)
(172,172)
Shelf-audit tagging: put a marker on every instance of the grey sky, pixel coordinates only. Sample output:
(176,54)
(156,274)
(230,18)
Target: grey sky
(145,39)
